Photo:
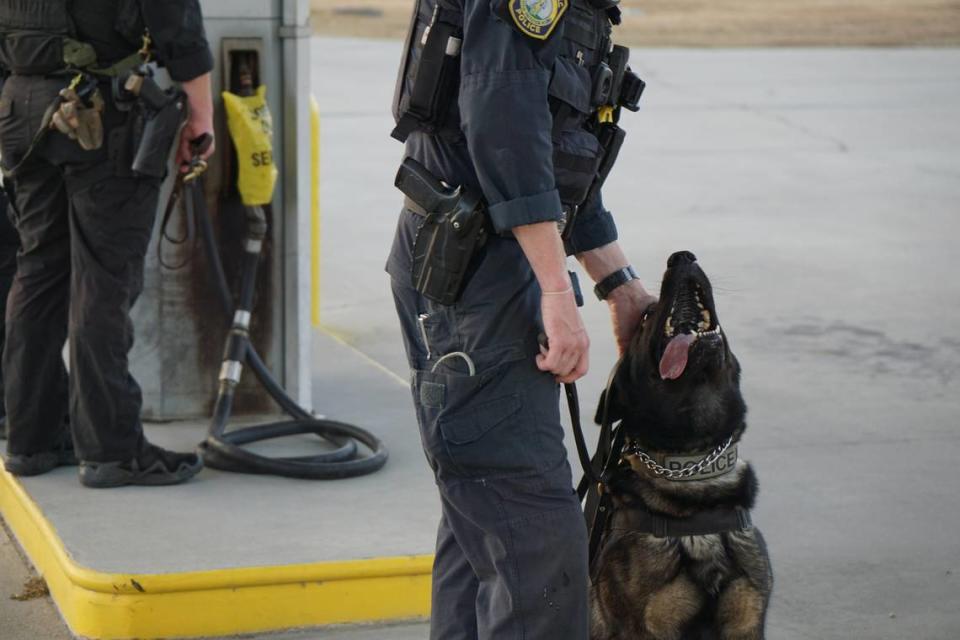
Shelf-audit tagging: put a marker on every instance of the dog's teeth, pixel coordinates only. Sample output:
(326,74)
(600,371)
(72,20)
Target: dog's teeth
(705,315)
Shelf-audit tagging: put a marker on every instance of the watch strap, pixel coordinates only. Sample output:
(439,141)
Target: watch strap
(619,277)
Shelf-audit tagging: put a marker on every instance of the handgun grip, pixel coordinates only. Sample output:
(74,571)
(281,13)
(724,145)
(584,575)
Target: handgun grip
(421,186)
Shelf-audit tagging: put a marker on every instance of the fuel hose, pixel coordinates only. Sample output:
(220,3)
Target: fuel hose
(224,449)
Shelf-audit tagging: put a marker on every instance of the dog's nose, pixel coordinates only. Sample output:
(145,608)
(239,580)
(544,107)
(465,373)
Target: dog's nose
(681,257)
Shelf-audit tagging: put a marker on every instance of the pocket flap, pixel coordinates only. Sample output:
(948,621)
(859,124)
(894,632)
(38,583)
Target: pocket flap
(571,84)
(471,423)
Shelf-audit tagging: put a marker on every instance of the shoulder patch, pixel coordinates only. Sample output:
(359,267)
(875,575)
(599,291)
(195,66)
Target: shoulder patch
(537,18)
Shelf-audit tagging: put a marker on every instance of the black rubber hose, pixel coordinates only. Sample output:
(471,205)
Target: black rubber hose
(223,450)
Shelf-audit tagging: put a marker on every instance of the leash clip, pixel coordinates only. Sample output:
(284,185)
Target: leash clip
(197,164)
(198,167)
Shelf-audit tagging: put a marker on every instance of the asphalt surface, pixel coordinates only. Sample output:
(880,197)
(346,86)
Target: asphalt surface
(31,619)
(820,189)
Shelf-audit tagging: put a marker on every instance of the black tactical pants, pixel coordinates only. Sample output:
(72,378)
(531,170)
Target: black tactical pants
(84,223)
(9,244)
(511,556)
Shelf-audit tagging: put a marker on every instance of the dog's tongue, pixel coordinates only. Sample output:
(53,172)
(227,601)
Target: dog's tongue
(674,359)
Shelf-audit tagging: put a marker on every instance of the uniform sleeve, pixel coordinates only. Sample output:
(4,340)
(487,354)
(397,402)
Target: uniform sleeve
(176,27)
(592,228)
(505,117)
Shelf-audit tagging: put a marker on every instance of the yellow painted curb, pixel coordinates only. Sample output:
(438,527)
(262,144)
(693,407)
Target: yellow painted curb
(210,603)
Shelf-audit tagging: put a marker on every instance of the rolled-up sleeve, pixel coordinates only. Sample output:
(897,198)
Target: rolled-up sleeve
(176,28)
(505,117)
(593,227)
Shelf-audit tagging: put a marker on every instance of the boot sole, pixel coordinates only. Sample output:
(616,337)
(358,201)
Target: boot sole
(33,465)
(109,474)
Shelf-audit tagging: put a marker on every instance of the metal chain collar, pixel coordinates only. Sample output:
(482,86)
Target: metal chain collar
(660,470)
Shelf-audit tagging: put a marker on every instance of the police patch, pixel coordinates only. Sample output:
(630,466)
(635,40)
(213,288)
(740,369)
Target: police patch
(537,18)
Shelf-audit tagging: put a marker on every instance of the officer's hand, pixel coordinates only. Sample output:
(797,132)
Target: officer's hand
(627,304)
(566,353)
(200,121)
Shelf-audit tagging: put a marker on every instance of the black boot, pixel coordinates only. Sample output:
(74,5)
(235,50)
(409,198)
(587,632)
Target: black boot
(34,464)
(153,466)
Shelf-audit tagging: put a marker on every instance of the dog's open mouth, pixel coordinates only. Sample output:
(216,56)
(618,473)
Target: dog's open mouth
(690,325)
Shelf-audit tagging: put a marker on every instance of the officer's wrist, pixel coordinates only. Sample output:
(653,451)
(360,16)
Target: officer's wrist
(628,291)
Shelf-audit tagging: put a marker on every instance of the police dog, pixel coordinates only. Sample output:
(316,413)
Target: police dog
(677,393)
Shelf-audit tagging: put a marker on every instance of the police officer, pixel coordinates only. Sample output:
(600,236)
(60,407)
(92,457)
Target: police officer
(84,219)
(511,100)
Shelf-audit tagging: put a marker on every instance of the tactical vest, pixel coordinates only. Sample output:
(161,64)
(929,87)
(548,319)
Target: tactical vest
(41,37)
(590,82)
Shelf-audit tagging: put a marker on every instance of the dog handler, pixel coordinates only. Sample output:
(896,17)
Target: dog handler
(513,102)
(69,134)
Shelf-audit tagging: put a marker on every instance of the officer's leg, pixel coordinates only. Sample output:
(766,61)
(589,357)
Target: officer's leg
(453,598)
(527,542)
(544,536)
(9,245)
(36,315)
(453,614)
(111,220)
(521,526)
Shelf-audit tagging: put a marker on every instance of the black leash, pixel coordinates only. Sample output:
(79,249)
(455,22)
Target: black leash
(589,473)
(175,202)
(597,469)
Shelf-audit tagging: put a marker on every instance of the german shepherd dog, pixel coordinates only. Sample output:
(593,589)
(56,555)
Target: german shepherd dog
(679,559)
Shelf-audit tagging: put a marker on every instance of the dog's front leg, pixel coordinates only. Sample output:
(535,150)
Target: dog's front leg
(671,608)
(740,611)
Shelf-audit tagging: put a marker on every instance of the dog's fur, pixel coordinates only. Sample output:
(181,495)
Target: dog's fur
(714,587)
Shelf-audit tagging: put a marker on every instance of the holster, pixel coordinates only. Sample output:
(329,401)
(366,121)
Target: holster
(164,114)
(452,232)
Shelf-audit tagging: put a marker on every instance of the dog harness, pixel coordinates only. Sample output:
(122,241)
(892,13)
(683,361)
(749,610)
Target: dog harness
(700,523)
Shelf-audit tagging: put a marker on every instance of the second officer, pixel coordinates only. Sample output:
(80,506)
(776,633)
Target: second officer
(69,136)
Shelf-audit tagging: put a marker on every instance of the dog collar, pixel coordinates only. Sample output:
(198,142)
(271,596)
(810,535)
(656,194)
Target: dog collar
(687,467)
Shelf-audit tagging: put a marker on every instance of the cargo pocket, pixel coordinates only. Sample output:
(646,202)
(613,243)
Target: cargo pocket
(478,426)
(490,438)
(14,137)
(576,151)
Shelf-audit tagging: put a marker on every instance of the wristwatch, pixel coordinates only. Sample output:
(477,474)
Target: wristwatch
(621,276)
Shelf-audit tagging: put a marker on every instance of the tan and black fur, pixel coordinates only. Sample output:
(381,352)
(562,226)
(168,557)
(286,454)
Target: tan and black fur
(702,587)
